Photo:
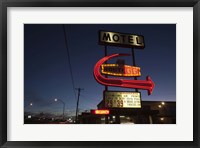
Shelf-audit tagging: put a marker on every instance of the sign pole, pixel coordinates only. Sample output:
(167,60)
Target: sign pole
(135,78)
(106,87)
(133,56)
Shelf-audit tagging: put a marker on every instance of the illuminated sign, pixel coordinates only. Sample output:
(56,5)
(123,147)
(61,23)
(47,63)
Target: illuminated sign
(100,112)
(147,84)
(121,39)
(122,99)
(120,70)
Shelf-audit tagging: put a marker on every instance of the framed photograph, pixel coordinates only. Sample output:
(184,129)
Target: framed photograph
(104,73)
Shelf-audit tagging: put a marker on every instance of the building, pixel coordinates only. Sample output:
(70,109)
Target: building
(151,112)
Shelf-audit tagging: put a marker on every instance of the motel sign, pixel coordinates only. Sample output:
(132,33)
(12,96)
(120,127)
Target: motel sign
(121,39)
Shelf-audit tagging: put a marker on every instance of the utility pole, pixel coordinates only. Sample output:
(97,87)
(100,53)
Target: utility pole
(79,90)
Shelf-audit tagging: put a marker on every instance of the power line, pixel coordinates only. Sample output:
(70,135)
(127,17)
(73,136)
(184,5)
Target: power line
(69,61)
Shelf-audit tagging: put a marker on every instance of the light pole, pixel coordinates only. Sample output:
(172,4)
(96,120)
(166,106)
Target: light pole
(28,105)
(63,105)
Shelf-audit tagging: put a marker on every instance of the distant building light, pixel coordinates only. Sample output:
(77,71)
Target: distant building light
(161,119)
(29,116)
(159,106)
(103,119)
(163,103)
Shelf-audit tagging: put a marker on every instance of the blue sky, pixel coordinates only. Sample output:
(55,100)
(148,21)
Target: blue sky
(46,67)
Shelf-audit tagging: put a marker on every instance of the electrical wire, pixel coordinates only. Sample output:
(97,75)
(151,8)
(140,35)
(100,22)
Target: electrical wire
(69,61)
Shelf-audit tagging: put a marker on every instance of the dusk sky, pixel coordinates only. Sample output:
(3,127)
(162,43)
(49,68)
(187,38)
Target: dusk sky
(47,73)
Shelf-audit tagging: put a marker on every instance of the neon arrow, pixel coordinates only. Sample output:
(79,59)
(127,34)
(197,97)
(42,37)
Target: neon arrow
(147,84)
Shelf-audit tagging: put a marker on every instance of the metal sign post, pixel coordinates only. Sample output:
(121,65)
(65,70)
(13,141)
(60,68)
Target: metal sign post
(134,64)
(106,87)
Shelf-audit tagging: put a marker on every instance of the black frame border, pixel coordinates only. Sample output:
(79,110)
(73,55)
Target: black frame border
(98,3)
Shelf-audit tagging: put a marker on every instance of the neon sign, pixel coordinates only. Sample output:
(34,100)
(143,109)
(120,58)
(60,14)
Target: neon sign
(147,84)
(100,112)
(120,70)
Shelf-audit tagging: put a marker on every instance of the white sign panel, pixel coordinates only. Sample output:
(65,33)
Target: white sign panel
(122,99)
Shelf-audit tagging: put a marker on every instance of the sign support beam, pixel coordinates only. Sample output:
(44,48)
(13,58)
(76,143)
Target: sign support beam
(106,87)
(134,64)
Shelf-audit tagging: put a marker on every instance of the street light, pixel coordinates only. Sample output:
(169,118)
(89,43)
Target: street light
(30,104)
(63,105)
